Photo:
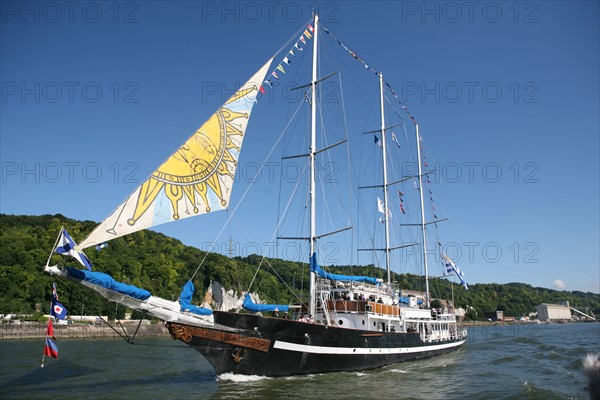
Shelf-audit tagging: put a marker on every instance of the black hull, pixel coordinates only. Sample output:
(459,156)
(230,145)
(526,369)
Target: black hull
(278,347)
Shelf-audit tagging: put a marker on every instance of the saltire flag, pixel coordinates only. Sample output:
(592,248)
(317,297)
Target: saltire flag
(451,268)
(395,139)
(103,245)
(66,245)
(54,293)
(380,206)
(58,310)
(50,349)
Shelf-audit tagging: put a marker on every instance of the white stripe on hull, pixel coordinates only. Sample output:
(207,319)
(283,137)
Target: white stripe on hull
(305,348)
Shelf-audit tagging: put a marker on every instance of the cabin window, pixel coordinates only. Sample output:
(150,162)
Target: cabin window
(374,323)
(341,322)
(363,321)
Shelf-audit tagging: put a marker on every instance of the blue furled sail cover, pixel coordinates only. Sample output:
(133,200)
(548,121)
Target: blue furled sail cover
(252,306)
(108,282)
(185,299)
(404,300)
(316,268)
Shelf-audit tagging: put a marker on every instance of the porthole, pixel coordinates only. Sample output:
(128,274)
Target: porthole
(340,322)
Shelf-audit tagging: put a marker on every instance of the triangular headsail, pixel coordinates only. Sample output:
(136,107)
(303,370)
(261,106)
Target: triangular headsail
(194,180)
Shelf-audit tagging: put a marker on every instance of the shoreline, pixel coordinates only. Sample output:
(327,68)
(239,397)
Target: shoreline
(77,331)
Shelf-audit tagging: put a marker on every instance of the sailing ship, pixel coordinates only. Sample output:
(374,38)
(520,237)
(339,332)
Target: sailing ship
(350,323)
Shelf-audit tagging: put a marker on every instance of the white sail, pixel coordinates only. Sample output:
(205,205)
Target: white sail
(196,179)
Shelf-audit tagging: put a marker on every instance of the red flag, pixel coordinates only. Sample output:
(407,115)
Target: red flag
(262,89)
(50,331)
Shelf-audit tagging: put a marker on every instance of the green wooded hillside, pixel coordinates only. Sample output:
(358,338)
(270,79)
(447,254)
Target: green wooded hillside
(162,265)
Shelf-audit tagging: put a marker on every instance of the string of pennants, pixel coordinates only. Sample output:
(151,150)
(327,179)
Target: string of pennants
(406,110)
(416,186)
(353,54)
(287,60)
(302,41)
(427,179)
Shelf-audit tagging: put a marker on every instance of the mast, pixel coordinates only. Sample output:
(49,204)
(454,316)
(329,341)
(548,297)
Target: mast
(422,218)
(313,147)
(385,184)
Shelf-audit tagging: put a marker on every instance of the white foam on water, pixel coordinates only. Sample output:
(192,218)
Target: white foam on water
(240,378)
(401,371)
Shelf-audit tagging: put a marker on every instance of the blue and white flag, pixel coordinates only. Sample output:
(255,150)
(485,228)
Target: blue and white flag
(451,268)
(395,139)
(377,142)
(66,245)
(101,246)
(380,205)
(58,310)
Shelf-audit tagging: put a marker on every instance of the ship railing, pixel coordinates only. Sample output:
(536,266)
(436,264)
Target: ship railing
(326,307)
(346,306)
(364,307)
(452,332)
(383,309)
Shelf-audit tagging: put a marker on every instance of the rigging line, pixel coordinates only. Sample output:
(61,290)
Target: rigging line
(337,194)
(244,195)
(333,181)
(348,166)
(285,283)
(356,57)
(230,253)
(276,229)
(372,155)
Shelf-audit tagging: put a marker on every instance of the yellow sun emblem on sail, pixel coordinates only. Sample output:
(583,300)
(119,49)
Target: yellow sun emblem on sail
(197,166)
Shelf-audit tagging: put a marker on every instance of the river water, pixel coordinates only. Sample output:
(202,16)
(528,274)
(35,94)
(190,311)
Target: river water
(504,361)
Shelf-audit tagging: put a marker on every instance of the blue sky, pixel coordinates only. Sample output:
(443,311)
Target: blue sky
(95,95)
